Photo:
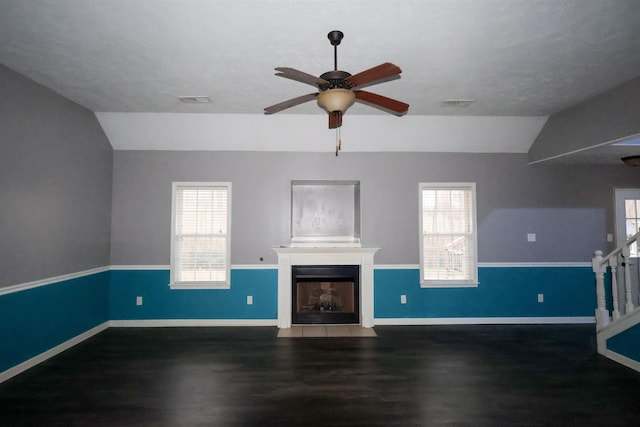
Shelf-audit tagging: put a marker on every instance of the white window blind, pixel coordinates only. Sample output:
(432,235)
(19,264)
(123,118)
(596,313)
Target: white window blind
(201,228)
(447,222)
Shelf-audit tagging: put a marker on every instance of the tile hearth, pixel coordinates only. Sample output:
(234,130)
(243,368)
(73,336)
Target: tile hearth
(325,331)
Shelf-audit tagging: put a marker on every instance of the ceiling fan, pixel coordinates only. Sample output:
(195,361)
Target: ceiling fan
(338,90)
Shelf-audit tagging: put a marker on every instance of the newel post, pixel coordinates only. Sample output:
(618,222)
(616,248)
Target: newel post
(602,315)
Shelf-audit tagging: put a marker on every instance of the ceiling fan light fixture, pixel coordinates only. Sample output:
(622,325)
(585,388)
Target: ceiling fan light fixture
(332,100)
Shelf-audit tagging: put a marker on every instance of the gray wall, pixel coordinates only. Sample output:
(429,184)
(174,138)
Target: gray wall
(55,184)
(609,116)
(570,209)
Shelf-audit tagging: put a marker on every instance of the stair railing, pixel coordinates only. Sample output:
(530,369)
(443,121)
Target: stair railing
(619,257)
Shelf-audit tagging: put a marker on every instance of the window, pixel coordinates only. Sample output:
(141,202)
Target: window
(632,222)
(200,235)
(448,229)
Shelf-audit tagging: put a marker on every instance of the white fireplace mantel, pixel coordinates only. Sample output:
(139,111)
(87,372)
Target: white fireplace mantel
(289,256)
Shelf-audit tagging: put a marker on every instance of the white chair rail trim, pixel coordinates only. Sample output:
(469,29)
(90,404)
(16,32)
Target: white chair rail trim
(122,267)
(492,265)
(51,280)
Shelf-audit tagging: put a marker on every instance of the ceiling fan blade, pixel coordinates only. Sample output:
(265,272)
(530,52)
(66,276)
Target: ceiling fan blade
(377,82)
(381,73)
(335,119)
(300,76)
(290,103)
(382,102)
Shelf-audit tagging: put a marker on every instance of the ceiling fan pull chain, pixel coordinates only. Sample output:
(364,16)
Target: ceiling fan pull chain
(340,138)
(337,141)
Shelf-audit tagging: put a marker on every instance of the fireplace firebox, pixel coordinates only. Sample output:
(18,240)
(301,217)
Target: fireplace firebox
(325,294)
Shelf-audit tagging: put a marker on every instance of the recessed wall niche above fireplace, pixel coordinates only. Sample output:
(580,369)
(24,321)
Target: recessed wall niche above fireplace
(325,213)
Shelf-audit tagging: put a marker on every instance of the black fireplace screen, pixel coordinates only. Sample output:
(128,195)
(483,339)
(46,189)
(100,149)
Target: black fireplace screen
(325,294)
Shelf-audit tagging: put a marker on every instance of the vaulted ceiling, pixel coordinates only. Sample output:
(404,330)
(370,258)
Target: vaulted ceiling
(519,60)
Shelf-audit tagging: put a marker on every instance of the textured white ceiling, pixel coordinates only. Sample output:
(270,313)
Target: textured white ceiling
(514,57)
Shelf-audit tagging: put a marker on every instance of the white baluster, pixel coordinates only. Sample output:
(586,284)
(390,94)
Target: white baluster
(613,263)
(628,306)
(602,314)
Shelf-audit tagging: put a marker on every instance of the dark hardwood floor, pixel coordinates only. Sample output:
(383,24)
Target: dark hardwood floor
(421,375)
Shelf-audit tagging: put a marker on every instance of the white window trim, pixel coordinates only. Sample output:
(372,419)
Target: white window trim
(473,282)
(200,285)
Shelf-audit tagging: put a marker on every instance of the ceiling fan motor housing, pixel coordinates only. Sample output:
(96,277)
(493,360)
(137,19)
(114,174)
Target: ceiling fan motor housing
(336,79)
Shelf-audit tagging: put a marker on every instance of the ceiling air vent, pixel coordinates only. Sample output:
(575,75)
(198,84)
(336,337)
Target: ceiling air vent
(195,99)
(457,102)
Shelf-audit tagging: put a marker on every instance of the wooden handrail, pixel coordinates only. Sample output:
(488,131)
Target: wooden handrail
(616,251)
(600,265)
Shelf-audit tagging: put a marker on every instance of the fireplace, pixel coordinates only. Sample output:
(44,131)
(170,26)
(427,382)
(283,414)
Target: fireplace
(289,257)
(325,294)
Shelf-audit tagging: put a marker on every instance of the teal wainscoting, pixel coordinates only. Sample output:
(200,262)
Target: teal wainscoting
(161,302)
(502,292)
(626,343)
(38,319)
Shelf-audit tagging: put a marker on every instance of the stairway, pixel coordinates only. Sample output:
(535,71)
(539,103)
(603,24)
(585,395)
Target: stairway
(618,333)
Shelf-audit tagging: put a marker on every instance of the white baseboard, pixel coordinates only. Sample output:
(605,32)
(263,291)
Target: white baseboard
(624,323)
(27,364)
(483,320)
(167,323)
(159,323)
(613,329)
(623,360)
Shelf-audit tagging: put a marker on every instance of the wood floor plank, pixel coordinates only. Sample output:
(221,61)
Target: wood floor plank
(476,375)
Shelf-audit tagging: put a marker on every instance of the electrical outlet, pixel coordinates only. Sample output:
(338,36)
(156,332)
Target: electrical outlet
(531,237)
(609,237)
(403,299)
(249,299)
(138,300)
(540,297)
